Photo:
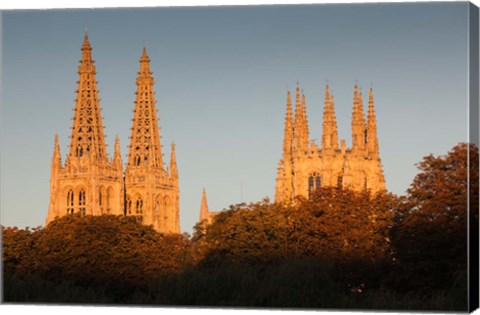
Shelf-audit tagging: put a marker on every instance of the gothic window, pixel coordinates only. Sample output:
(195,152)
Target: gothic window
(100,197)
(139,206)
(82,202)
(129,205)
(70,202)
(339,181)
(365,182)
(314,183)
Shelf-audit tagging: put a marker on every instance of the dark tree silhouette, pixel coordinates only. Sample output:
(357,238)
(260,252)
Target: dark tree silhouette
(430,234)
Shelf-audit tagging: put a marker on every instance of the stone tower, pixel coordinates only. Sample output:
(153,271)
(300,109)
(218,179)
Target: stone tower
(89,182)
(152,192)
(304,167)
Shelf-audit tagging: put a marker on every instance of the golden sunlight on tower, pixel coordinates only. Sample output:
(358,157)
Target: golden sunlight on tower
(90,183)
(304,167)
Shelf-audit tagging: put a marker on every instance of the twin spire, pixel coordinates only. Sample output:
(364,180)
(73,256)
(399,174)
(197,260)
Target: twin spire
(145,147)
(88,139)
(296,133)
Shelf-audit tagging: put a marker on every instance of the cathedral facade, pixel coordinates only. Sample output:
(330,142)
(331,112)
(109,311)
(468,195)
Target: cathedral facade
(305,166)
(92,183)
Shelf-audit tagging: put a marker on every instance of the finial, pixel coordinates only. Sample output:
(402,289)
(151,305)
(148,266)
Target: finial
(86,26)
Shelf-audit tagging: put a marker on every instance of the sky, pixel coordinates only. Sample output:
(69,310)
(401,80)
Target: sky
(221,77)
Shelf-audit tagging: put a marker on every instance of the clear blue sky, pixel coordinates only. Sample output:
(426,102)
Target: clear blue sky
(221,79)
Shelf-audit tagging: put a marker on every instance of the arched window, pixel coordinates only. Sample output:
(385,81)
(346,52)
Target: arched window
(82,202)
(70,202)
(139,206)
(314,183)
(340,181)
(129,205)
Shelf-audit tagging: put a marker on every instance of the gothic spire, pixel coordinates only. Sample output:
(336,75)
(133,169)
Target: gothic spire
(358,121)
(288,133)
(329,133)
(145,148)
(87,137)
(204,207)
(372,140)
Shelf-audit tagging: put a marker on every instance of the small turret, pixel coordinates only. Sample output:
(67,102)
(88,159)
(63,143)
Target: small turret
(117,156)
(298,120)
(329,133)
(173,163)
(204,213)
(372,140)
(288,131)
(57,158)
(358,122)
(305,131)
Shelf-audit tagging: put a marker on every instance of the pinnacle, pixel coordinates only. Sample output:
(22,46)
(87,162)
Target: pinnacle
(86,43)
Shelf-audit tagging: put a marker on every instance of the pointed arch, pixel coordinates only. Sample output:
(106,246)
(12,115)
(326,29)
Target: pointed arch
(82,201)
(128,205)
(70,201)
(314,182)
(138,205)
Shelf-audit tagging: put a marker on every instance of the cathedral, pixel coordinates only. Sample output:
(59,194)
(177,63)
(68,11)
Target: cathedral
(92,183)
(305,167)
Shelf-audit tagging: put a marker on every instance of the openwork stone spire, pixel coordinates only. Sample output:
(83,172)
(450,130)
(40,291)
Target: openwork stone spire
(152,193)
(329,133)
(145,148)
(87,137)
(372,139)
(90,183)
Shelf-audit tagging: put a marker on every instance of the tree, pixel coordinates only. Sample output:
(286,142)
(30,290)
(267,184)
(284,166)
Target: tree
(430,234)
(116,253)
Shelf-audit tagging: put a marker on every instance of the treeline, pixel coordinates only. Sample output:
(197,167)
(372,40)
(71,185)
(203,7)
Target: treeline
(339,249)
